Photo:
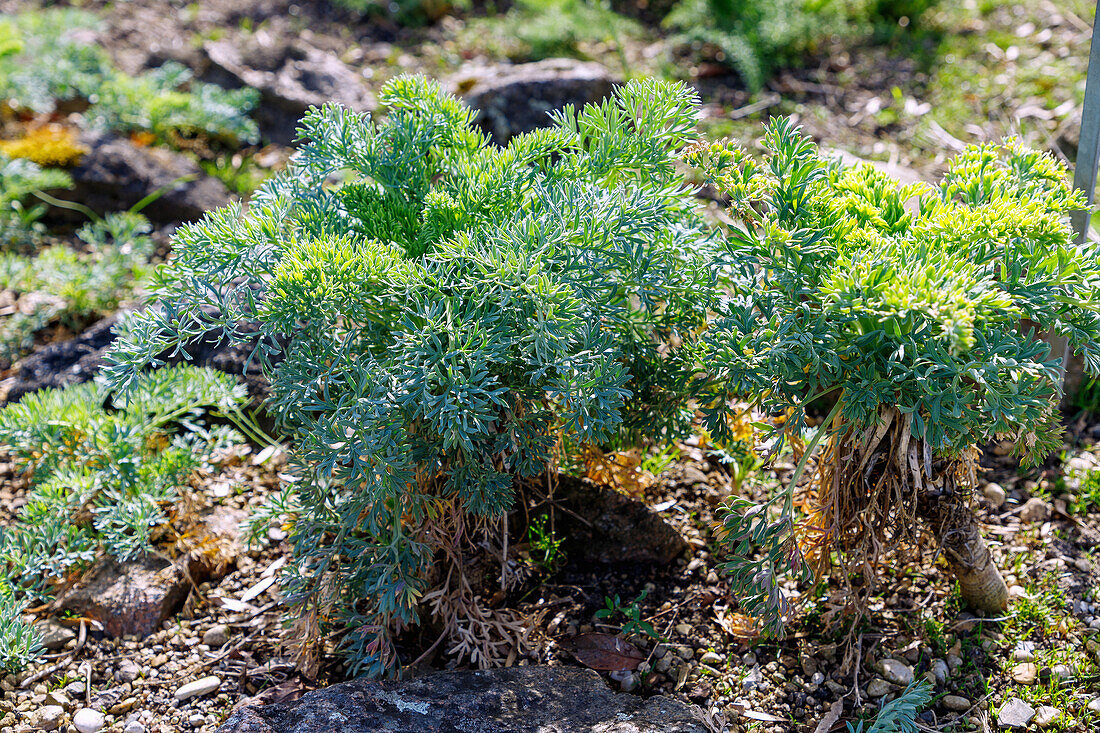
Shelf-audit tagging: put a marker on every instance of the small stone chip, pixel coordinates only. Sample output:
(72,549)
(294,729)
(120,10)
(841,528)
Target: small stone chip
(1015,714)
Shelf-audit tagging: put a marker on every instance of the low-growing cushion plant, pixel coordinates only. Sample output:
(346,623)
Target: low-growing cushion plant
(915,312)
(101,476)
(446,312)
(67,290)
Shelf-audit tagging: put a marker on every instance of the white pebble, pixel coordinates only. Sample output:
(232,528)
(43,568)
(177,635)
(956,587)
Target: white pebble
(198,688)
(87,720)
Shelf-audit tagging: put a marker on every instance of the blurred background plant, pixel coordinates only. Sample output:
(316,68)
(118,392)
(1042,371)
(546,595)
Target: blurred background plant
(51,58)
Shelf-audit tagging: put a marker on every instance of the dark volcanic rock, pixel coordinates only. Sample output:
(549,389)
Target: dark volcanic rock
(515,700)
(291,78)
(65,362)
(79,359)
(604,526)
(115,174)
(517,98)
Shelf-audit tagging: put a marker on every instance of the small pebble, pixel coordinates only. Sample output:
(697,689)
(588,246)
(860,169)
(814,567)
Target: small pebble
(128,671)
(995,495)
(940,671)
(1035,510)
(216,636)
(87,720)
(895,671)
(48,717)
(1024,673)
(1046,716)
(198,688)
(957,703)
(878,687)
(1024,652)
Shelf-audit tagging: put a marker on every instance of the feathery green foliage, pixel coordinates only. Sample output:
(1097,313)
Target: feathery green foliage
(539,29)
(908,297)
(57,60)
(19,180)
(101,475)
(85,449)
(20,642)
(444,314)
(63,287)
(900,714)
(757,39)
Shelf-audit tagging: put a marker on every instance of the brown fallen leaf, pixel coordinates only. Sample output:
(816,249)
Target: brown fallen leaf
(604,652)
(830,718)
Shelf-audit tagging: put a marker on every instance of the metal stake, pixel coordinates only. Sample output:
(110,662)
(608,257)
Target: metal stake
(1088,148)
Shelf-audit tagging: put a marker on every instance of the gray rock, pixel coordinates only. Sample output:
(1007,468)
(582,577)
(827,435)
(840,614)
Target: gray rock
(216,636)
(128,671)
(58,697)
(1059,672)
(48,717)
(895,671)
(712,658)
(1024,651)
(291,77)
(1035,510)
(940,671)
(115,174)
(517,98)
(87,720)
(1015,714)
(79,359)
(512,700)
(1094,705)
(878,687)
(54,635)
(956,703)
(693,476)
(995,495)
(134,726)
(753,680)
(1024,673)
(627,680)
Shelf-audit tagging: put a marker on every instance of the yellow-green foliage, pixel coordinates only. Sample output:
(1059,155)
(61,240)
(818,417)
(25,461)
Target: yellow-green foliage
(49,146)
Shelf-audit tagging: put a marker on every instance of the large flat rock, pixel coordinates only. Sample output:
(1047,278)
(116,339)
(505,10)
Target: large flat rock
(514,700)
